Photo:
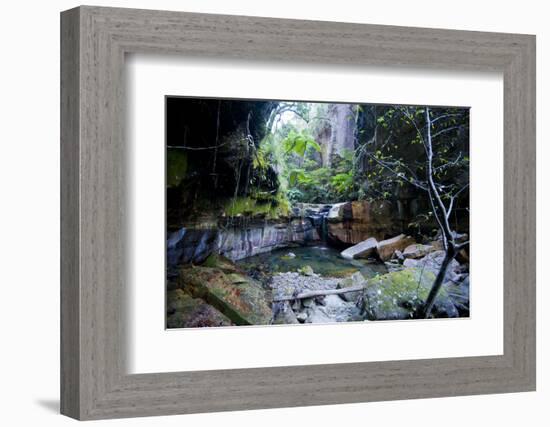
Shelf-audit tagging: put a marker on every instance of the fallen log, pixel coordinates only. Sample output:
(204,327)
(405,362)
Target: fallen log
(320,292)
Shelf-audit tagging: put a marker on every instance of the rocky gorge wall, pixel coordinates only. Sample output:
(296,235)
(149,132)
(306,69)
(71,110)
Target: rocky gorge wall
(341,224)
(194,245)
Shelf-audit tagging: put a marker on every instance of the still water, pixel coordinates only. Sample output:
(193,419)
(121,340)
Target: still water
(324,260)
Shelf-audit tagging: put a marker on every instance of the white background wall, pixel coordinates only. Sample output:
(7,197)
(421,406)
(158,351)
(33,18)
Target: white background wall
(29,212)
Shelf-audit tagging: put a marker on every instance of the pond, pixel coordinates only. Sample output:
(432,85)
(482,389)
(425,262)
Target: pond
(323,259)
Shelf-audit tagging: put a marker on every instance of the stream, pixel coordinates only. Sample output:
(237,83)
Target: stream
(323,260)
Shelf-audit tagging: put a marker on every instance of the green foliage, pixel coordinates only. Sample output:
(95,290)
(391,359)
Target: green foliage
(315,184)
(298,143)
(249,206)
(343,182)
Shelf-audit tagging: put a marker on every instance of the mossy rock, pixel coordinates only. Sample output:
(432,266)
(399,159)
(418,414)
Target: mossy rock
(240,298)
(399,294)
(306,270)
(184,311)
(275,208)
(223,263)
(176,164)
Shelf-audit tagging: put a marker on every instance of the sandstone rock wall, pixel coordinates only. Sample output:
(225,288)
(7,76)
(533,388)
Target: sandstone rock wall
(194,245)
(353,222)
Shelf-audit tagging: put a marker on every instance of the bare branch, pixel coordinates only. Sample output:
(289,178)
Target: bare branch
(434,193)
(445,116)
(435,135)
(462,245)
(449,164)
(414,182)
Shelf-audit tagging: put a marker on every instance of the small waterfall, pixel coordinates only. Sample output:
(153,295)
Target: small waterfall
(319,220)
(323,233)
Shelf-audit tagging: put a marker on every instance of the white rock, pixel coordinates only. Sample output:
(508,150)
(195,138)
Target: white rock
(361,250)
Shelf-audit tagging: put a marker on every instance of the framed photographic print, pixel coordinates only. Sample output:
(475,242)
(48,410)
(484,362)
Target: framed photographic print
(282,213)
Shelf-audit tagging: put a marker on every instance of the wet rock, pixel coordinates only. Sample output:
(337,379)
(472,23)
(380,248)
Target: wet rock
(184,311)
(398,295)
(241,299)
(386,248)
(363,249)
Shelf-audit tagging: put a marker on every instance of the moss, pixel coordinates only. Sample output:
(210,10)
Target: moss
(409,282)
(221,262)
(273,208)
(306,270)
(238,297)
(398,294)
(184,311)
(176,167)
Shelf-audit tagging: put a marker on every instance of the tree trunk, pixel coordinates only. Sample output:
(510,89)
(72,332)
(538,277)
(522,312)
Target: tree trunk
(428,305)
(320,292)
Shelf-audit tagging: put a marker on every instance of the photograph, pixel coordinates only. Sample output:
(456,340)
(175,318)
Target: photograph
(290,212)
(272,209)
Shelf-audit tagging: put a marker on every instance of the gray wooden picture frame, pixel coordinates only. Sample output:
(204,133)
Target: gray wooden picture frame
(94,382)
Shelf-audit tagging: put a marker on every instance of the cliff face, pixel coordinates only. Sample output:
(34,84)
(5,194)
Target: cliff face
(352,222)
(341,224)
(337,133)
(194,245)
(212,147)
(343,129)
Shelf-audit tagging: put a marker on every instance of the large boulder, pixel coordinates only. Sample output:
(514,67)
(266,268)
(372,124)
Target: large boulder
(354,222)
(437,244)
(184,311)
(400,294)
(356,279)
(334,310)
(432,262)
(386,248)
(417,250)
(363,249)
(336,212)
(238,297)
(283,314)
